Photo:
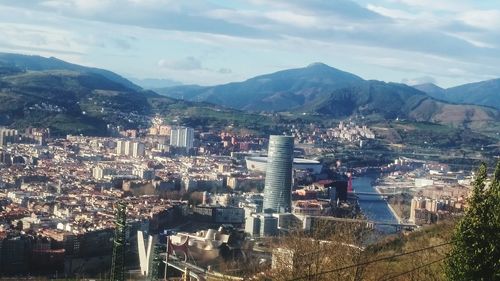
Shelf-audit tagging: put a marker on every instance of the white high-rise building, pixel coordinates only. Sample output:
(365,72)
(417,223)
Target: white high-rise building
(120,147)
(182,137)
(138,149)
(99,172)
(129,148)
(7,135)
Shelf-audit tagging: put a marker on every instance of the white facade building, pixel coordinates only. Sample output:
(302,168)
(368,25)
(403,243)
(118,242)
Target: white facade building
(182,137)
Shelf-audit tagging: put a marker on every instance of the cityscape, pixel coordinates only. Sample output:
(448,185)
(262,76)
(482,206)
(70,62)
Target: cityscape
(199,167)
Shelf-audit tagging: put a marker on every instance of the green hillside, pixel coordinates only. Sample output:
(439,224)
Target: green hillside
(398,101)
(71,102)
(485,93)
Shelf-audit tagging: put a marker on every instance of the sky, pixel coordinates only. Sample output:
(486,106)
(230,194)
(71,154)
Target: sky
(207,42)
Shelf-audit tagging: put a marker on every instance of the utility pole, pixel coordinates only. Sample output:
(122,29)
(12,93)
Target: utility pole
(166,259)
(186,275)
(118,261)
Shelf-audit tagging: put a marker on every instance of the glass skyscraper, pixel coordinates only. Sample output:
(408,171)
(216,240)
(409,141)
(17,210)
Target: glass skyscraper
(278,184)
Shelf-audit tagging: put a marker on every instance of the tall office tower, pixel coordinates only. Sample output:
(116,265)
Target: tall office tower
(182,137)
(278,184)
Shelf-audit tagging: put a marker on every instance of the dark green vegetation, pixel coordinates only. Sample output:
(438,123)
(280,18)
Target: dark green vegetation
(210,117)
(481,93)
(476,253)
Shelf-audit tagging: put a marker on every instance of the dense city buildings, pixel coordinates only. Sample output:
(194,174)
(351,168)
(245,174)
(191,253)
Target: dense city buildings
(58,197)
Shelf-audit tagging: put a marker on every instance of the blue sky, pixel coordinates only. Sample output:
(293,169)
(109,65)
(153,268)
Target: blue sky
(448,42)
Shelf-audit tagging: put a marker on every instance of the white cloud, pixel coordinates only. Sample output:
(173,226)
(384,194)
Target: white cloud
(79,6)
(30,37)
(485,19)
(436,5)
(391,13)
(293,19)
(476,42)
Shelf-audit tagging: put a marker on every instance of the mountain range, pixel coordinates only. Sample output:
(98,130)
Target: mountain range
(38,63)
(280,91)
(69,98)
(480,93)
(321,89)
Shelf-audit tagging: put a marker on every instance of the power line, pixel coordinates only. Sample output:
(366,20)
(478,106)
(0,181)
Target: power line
(370,262)
(414,269)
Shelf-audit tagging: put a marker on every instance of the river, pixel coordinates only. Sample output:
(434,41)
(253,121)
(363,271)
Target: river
(375,208)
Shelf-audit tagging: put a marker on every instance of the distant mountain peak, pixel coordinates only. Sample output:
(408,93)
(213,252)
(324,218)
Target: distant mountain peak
(427,84)
(431,89)
(319,68)
(318,64)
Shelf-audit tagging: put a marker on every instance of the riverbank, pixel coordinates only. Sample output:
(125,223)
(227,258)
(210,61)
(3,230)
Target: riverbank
(394,213)
(374,208)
